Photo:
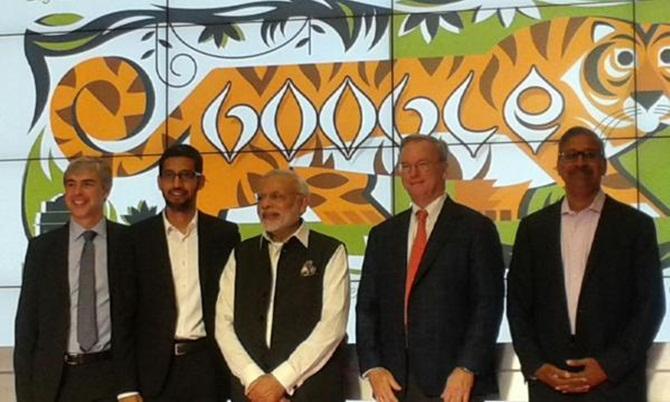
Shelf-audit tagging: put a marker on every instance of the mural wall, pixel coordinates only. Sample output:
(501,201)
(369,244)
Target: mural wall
(328,88)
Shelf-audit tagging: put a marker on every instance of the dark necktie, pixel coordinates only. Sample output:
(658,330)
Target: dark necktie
(87,326)
(418,248)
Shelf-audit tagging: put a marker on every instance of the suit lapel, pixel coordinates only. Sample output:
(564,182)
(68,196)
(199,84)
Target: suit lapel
(60,260)
(444,228)
(552,229)
(399,245)
(601,241)
(203,255)
(161,252)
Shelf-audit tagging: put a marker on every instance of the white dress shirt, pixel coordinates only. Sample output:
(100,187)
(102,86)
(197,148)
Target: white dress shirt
(315,351)
(183,250)
(577,232)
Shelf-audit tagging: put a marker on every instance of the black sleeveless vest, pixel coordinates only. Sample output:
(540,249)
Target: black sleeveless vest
(297,307)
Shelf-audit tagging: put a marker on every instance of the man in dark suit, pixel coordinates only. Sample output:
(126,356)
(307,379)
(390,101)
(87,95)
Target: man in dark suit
(585,295)
(430,296)
(180,254)
(74,321)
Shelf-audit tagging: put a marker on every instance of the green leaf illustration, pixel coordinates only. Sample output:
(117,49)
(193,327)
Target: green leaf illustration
(59,20)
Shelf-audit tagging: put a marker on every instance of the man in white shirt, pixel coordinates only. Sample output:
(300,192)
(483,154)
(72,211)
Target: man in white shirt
(179,257)
(284,301)
(585,296)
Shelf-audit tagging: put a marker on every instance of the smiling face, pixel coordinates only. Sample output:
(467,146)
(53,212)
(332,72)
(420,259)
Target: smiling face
(85,196)
(280,206)
(422,171)
(581,165)
(180,183)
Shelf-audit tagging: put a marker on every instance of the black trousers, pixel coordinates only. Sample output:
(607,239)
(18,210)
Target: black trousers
(192,378)
(412,393)
(90,382)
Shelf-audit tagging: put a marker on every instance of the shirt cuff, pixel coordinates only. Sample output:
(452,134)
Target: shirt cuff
(249,375)
(367,373)
(286,376)
(126,394)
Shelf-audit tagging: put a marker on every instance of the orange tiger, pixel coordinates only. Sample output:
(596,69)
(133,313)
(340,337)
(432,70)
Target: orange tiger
(339,124)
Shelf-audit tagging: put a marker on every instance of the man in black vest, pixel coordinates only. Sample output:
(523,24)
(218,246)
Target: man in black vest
(283,306)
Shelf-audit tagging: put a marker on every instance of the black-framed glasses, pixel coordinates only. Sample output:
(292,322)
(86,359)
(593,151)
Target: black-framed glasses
(573,156)
(184,175)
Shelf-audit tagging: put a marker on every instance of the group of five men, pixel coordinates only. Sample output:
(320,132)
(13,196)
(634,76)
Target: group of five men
(168,309)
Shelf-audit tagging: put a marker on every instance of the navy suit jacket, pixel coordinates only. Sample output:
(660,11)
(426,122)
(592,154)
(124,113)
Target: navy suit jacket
(454,309)
(157,308)
(620,306)
(43,315)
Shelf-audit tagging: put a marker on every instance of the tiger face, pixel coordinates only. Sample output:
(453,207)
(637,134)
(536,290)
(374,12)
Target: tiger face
(623,81)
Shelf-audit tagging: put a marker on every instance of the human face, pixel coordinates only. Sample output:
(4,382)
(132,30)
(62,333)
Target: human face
(280,206)
(422,172)
(180,184)
(85,197)
(581,175)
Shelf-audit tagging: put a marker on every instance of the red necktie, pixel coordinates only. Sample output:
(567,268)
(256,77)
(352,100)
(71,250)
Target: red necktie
(418,247)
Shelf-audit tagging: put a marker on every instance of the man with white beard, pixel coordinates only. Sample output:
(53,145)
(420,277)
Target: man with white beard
(282,310)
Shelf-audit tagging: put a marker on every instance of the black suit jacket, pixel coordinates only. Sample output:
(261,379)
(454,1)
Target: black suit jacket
(620,307)
(156,309)
(455,307)
(43,315)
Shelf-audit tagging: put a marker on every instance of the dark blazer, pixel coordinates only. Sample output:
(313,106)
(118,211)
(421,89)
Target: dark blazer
(455,307)
(43,315)
(156,309)
(620,307)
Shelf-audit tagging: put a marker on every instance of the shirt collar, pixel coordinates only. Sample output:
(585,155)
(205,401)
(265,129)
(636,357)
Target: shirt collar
(76,230)
(596,205)
(302,234)
(169,228)
(433,208)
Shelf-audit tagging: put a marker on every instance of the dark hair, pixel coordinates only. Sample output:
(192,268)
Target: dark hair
(181,150)
(577,131)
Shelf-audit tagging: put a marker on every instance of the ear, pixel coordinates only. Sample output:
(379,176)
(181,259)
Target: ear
(601,30)
(201,182)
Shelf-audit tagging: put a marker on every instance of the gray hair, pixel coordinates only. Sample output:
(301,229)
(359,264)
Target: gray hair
(440,146)
(100,166)
(300,183)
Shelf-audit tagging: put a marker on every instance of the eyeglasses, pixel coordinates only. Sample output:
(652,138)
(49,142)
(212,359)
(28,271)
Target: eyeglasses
(573,156)
(422,166)
(184,175)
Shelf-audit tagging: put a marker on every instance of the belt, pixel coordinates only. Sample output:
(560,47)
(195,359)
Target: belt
(85,358)
(185,346)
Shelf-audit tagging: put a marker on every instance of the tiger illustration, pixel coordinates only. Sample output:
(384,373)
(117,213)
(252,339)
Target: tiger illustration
(339,124)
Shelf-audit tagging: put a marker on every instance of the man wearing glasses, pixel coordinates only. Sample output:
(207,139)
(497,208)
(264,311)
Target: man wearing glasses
(431,292)
(585,296)
(179,257)
(284,301)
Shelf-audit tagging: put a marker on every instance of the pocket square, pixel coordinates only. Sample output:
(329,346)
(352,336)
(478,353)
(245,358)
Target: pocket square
(308,269)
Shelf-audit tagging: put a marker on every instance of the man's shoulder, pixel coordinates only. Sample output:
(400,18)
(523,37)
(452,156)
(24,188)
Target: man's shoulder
(216,222)
(48,238)
(324,238)
(393,223)
(148,223)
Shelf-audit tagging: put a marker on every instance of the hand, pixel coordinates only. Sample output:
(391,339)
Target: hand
(561,380)
(459,385)
(266,388)
(384,386)
(132,398)
(592,371)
